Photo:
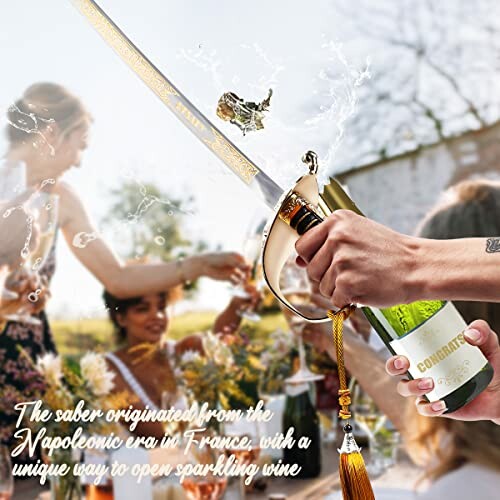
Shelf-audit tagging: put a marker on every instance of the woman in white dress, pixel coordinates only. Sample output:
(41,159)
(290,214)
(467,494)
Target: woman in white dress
(144,320)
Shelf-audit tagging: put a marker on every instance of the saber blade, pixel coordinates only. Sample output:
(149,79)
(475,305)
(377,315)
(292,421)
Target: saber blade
(187,113)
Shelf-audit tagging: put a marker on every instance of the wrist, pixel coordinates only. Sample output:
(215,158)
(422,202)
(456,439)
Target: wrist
(420,281)
(189,269)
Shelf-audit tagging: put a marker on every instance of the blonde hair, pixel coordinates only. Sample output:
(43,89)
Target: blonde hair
(442,445)
(468,209)
(41,105)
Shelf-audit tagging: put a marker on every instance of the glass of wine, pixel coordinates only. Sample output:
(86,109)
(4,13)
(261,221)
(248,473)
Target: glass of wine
(252,249)
(42,210)
(6,477)
(252,431)
(251,252)
(296,290)
(371,420)
(209,486)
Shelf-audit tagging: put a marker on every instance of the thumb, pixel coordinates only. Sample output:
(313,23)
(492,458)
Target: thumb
(479,334)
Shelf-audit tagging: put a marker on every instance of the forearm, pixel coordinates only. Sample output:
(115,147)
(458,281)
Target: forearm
(133,280)
(459,269)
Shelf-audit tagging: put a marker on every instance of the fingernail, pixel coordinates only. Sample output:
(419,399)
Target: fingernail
(472,334)
(438,406)
(399,363)
(425,383)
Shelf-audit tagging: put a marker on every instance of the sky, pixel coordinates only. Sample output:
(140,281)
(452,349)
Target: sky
(205,48)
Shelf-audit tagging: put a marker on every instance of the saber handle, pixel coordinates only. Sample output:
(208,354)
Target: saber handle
(299,214)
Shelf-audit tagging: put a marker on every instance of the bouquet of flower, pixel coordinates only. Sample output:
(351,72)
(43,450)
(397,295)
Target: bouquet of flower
(212,377)
(66,385)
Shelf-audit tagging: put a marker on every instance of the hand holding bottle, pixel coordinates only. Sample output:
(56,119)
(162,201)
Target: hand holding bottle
(486,406)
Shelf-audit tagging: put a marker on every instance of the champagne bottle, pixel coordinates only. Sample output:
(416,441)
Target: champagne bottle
(301,415)
(428,333)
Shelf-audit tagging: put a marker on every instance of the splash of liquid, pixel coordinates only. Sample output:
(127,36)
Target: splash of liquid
(341,80)
(26,248)
(36,264)
(38,122)
(34,296)
(82,239)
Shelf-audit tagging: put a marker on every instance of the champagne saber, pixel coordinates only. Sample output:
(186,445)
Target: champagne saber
(296,210)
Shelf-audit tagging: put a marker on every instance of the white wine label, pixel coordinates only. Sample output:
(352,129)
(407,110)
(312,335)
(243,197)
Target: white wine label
(438,349)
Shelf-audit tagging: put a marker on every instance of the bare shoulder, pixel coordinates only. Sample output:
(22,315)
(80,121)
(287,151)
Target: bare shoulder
(119,381)
(66,192)
(70,204)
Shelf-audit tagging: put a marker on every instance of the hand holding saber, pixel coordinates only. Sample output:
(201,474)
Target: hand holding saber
(295,209)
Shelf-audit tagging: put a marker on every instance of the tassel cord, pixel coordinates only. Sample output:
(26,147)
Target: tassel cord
(353,476)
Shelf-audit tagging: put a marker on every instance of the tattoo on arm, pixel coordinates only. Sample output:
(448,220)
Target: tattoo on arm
(493,245)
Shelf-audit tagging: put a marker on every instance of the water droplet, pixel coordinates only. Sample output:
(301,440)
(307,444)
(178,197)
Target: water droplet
(33,296)
(170,212)
(36,264)
(81,240)
(160,240)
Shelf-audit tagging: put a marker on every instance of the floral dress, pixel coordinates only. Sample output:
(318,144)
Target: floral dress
(19,381)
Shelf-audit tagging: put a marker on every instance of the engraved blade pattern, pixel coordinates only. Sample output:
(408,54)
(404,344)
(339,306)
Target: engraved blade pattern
(187,113)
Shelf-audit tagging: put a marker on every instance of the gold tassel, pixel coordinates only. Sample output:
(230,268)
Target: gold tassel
(353,476)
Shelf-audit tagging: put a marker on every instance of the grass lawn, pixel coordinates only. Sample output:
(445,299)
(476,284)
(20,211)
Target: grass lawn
(75,337)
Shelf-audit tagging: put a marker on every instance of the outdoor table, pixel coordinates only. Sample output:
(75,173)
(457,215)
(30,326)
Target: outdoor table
(402,475)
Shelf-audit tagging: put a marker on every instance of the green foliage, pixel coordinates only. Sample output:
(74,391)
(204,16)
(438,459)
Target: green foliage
(75,337)
(147,222)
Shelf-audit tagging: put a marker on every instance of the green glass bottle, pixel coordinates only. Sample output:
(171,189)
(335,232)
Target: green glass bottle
(301,415)
(428,333)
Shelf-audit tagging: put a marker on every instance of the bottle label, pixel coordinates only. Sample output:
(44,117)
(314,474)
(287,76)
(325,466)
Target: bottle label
(438,349)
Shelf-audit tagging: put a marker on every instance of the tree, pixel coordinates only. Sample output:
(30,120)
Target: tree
(147,222)
(434,73)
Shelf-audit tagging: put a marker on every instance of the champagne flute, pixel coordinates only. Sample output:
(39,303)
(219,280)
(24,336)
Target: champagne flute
(209,486)
(42,209)
(252,249)
(297,292)
(251,430)
(370,419)
(6,477)
(251,252)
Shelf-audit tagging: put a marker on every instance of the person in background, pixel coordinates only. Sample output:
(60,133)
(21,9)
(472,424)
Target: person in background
(144,320)
(352,259)
(47,132)
(460,459)
(470,209)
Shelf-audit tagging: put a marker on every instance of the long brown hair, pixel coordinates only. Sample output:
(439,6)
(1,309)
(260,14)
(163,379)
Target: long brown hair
(469,209)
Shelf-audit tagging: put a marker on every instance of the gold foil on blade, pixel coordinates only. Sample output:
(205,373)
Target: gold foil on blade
(174,99)
(232,157)
(140,65)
